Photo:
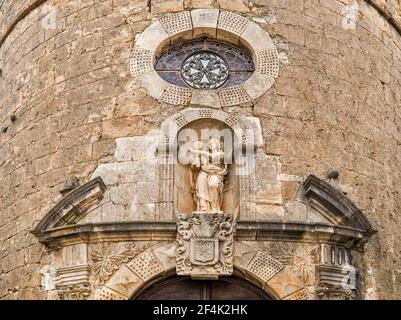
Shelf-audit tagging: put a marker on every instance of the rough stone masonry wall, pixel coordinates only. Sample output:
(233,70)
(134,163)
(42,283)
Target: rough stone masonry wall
(66,94)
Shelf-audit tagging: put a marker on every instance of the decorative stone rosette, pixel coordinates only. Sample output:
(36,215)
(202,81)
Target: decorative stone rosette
(205,245)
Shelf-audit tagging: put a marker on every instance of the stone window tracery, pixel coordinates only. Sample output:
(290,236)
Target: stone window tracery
(205,64)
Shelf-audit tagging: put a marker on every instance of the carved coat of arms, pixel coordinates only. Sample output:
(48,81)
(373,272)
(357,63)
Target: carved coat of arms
(204,251)
(205,245)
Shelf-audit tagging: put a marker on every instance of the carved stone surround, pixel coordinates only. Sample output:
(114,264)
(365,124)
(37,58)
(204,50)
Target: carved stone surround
(315,215)
(213,23)
(247,135)
(285,272)
(247,129)
(126,272)
(83,226)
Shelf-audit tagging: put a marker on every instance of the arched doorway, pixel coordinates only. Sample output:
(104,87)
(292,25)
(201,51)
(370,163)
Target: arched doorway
(184,288)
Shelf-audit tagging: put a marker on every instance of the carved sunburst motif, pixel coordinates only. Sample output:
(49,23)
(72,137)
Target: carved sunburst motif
(301,260)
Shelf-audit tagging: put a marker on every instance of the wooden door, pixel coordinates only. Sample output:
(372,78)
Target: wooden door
(183,288)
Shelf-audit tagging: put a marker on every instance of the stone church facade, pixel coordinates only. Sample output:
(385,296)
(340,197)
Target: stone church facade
(149,148)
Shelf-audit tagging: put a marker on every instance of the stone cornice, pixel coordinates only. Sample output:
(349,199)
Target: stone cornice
(334,205)
(166,231)
(73,206)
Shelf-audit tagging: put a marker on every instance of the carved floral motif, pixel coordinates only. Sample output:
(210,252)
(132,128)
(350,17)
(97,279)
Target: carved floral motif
(104,266)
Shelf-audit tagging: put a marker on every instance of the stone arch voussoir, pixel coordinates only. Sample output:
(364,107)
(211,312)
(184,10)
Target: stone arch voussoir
(247,130)
(158,262)
(275,278)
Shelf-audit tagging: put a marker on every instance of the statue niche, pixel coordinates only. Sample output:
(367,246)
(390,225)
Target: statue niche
(206,192)
(205,174)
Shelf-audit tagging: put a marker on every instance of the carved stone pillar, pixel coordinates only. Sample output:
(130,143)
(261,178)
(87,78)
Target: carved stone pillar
(205,245)
(246,172)
(72,280)
(165,205)
(336,277)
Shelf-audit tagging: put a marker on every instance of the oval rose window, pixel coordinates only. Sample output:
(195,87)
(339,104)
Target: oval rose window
(205,65)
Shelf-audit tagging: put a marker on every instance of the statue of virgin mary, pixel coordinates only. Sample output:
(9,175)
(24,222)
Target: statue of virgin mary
(209,170)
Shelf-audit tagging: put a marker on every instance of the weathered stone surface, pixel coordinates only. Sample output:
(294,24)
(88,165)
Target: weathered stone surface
(266,167)
(202,3)
(234,5)
(136,148)
(108,173)
(269,213)
(295,211)
(64,76)
(266,192)
(315,217)
(162,6)
(211,100)
(166,253)
(284,283)
(136,172)
(289,190)
(206,19)
(255,37)
(153,83)
(258,84)
(124,281)
(152,37)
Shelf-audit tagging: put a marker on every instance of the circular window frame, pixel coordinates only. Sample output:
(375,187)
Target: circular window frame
(170,29)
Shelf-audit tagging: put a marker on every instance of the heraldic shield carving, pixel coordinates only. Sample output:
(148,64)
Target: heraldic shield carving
(205,245)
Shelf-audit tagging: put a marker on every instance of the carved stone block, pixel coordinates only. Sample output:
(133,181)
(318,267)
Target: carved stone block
(205,22)
(141,61)
(336,282)
(176,23)
(74,292)
(258,84)
(264,266)
(233,96)
(145,265)
(204,251)
(176,95)
(106,293)
(72,275)
(302,294)
(151,38)
(205,245)
(232,22)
